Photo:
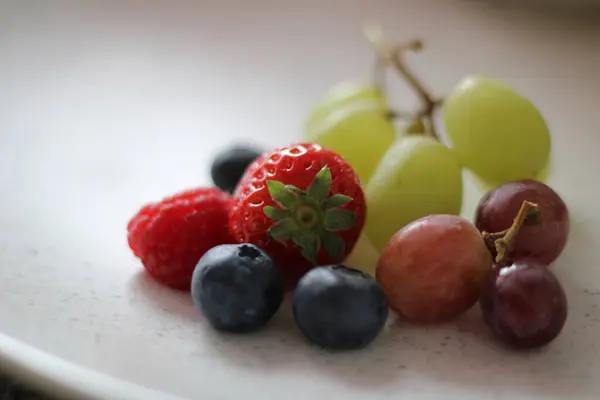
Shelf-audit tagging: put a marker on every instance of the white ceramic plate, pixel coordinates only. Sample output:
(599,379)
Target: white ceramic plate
(107,105)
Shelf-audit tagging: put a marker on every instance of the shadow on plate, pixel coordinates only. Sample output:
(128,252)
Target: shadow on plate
(461,353)
(160,297)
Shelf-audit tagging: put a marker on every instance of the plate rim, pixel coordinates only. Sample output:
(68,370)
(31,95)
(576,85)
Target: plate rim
(55,376)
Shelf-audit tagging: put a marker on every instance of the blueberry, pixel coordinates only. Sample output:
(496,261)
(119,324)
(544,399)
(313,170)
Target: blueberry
(238,288)
(339,308)
(230,164)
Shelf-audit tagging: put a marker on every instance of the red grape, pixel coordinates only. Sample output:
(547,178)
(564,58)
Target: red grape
(543,239)
(433,269)
(524,304)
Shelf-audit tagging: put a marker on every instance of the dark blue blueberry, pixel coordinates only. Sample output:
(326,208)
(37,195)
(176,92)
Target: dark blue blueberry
(339,308)
(237,287)
(230,164)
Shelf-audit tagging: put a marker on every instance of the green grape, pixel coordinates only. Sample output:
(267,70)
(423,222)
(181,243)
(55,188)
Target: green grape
(359,132)
(352,120)
(418,176)
(341,95)
(364,256)
(485,186)
(496,133)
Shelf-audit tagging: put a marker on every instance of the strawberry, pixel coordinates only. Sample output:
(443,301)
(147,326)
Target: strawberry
(172,235)
(302,204)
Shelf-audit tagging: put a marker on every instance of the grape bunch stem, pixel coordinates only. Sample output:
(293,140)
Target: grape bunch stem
(503,240)
(391,55)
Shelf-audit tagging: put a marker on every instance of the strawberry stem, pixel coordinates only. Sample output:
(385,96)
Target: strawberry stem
(309,218)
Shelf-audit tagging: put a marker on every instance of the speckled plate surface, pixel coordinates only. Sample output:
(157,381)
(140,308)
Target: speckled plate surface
(107,105)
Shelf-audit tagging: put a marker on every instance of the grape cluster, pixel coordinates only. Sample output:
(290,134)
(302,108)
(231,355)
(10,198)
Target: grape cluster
(494,132)
(439,266)
(522,301)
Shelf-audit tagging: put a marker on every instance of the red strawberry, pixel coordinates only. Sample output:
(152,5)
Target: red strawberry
(171,236)
(302,204)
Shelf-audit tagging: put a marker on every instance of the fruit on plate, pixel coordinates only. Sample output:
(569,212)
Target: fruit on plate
(497,133)
(433,269)
(229,165)
(418,176)
(297,214)
(524,304)
(544,235)
(339,308)
(354,122)
(237,287)
(170,236)
(302,204)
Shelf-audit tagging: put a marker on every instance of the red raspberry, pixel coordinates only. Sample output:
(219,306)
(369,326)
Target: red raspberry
(171,236)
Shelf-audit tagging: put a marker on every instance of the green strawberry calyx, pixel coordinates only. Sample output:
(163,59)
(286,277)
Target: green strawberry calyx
(310,218)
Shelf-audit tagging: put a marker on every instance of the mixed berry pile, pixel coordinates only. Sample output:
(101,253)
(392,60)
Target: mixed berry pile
(287,219)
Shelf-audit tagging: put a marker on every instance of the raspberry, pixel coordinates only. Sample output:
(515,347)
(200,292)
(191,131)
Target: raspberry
(171,236)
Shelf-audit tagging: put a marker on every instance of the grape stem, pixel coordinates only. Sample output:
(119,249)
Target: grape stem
(503,240)
(392,55)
